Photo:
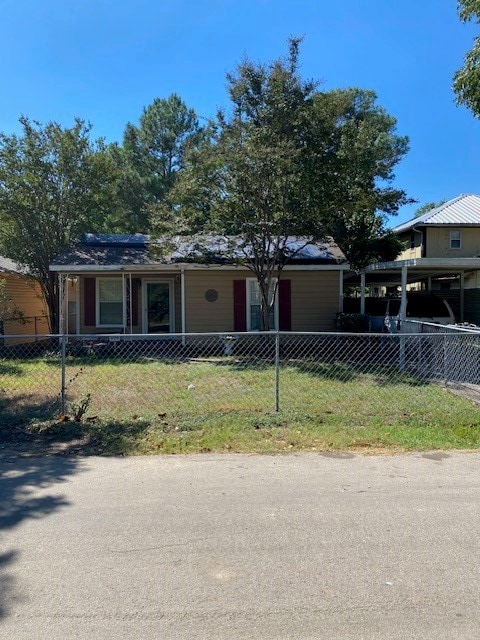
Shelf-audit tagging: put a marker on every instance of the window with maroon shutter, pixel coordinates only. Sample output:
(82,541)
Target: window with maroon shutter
(239,305)
(89,301)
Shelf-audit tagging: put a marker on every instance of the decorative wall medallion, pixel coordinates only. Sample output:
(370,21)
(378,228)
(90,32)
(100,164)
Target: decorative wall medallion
(211,295)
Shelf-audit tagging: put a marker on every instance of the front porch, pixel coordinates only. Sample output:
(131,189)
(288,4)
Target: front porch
(126,303)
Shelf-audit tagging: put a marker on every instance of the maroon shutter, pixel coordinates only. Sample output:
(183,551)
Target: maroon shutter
(239,305)
(89,301)
(285,305)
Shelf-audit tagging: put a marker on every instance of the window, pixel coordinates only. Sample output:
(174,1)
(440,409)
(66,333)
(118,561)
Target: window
(109,302)
(455,239)
(254,320)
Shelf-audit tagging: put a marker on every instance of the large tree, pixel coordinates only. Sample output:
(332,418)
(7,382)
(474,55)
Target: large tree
(287,160)
(245,181)
(353,149)
(54,183)
(466,81)
(151,156)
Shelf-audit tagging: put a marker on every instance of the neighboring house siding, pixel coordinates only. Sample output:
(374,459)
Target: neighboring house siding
(438,243)
(26,295)
(412,241)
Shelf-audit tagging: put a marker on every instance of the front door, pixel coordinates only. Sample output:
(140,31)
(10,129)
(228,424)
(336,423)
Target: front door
(157,307)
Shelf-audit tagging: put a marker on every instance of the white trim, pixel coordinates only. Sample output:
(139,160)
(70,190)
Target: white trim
(169,268)
(97,302)
(171,302)
(249,281)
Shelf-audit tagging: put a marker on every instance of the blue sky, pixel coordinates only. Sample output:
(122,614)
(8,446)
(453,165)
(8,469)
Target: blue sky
(104,60)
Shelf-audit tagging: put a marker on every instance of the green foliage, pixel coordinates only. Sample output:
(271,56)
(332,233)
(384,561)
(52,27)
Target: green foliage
(8,308)
(466,81)
(352,322)
(149,160)
(428,207)
(289,160)
(54,184)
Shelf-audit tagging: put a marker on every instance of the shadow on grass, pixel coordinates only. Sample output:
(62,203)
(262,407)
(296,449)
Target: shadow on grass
(25,481)
(22,409)
(10,368)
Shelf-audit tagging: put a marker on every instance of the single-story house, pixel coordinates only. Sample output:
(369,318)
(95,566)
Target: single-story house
(117,283)
(22,293)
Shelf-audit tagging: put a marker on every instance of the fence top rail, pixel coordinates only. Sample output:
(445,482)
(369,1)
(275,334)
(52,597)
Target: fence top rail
(231,336)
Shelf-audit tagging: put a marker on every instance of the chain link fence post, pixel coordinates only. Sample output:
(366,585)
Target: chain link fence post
(277,372)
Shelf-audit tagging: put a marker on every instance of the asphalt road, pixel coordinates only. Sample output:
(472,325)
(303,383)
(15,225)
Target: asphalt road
(227,547)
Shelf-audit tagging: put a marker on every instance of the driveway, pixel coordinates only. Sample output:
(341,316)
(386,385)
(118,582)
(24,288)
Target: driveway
(227,547)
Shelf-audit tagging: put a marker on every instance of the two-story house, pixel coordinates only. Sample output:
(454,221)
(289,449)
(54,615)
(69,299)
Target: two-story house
(441,255)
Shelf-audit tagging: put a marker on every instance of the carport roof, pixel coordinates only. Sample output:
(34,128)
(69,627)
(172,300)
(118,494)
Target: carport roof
(417,269)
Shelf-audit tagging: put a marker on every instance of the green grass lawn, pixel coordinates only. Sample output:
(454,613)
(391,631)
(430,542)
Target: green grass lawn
(220,404)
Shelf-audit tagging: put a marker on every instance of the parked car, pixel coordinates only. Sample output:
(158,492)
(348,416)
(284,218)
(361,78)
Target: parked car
(384,313)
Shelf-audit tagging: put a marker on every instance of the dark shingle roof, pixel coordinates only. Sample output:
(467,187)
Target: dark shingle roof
(137,249)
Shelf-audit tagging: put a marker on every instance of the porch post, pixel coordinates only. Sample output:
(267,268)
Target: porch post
(182,287)
(77,307)
(403,303)
(67,327)
(462,296)
(362,292)
(61,328)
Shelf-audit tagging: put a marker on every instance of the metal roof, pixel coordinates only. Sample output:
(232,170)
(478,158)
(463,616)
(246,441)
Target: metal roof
(463,210)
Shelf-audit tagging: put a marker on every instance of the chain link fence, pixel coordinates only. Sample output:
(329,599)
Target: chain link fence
(187,375)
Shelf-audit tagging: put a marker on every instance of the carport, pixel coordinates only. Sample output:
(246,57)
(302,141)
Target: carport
(404,272)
